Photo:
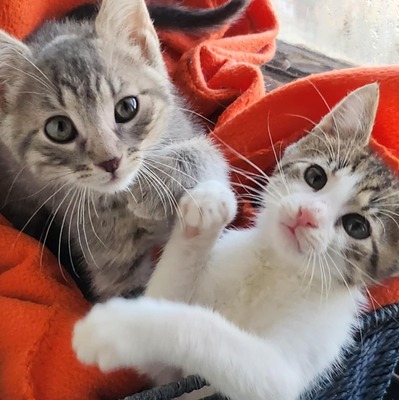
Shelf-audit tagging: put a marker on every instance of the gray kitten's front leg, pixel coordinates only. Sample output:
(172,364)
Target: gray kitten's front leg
(170,172)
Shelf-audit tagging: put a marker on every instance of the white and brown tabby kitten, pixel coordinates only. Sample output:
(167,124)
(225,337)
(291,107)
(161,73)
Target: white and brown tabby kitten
(92,130)
(269,308)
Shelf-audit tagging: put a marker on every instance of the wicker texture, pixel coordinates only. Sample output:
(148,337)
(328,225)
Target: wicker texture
(369,365)
(365,375)
(170,391)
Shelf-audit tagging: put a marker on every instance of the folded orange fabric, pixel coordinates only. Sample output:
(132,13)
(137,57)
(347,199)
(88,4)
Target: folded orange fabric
(37,306)
(212,73)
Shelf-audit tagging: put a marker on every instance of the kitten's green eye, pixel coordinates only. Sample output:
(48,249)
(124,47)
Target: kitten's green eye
(315,177)
(356,226)
(126,109)
(60,129)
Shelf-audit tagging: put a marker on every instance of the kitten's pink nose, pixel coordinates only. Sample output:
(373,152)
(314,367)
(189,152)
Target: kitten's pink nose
(307,217)
(111,165)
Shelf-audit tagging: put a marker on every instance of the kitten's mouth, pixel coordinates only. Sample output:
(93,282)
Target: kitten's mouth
(114,177)
(291,229)
(289,232)
(114,180)
(116,183)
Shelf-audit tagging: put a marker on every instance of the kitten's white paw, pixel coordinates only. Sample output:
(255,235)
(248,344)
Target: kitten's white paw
(102,337)
(208,208)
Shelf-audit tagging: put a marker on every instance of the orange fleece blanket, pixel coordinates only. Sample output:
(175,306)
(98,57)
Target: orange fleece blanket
(220,75)
(38,307)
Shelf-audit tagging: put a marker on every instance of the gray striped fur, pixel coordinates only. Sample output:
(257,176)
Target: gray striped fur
(81,70)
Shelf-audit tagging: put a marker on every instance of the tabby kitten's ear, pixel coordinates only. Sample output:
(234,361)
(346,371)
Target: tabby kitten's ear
(127,22)
(14,56)
(354,116)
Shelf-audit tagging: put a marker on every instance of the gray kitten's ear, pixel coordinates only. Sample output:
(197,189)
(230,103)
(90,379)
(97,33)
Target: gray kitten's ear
(121,22)
(13,60)
(13,55)
(353,116)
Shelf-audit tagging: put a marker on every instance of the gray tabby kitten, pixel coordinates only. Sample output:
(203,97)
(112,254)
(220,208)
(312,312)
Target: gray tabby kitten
(94,132)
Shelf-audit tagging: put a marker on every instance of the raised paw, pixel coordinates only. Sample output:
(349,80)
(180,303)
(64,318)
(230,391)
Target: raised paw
(207,208)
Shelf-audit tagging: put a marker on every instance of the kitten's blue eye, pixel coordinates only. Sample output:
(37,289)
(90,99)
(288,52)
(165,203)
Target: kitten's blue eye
(356,226)
(126,109)
(315,177)
(60,129)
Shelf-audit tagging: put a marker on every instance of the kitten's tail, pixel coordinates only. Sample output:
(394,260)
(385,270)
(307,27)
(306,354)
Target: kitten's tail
(179,18)
(194,20)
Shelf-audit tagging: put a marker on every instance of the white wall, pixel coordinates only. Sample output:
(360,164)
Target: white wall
(364,32)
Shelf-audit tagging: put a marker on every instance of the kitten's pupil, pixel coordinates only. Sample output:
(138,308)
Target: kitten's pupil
(315,177)
(60,129)
(62,126)
(126,109)
(356,226)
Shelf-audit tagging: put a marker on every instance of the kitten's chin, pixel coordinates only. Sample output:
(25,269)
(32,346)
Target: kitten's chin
(113,188)
(286,247)
(287,241)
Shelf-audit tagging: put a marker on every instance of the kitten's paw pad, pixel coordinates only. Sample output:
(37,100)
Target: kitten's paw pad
(96,338)
(209,207)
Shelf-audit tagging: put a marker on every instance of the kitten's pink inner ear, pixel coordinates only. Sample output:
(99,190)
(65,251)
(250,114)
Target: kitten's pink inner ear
(353,117)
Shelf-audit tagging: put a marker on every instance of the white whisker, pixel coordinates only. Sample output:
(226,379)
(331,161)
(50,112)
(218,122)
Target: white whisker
(12,185)
(48,231)
(37,210)
(61,230)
